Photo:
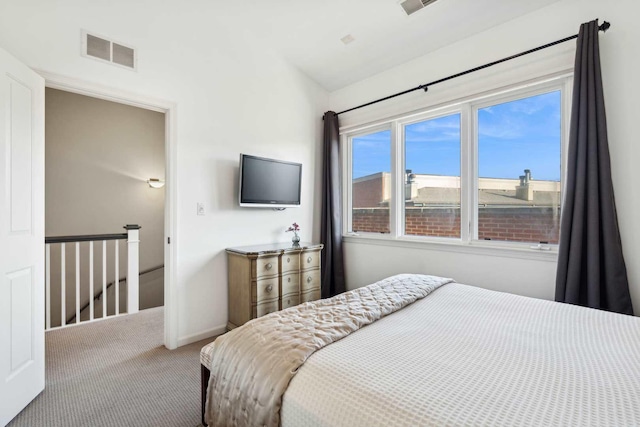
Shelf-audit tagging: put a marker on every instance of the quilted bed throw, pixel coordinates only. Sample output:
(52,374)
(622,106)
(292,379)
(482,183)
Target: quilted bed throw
(252,365)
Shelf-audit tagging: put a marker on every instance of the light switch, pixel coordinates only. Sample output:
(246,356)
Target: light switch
(200,208)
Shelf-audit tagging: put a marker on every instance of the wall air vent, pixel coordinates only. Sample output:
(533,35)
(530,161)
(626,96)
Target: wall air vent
(412,6)
(103,49)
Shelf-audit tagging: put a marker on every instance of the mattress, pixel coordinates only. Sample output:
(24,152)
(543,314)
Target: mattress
(469,356)
(206,355)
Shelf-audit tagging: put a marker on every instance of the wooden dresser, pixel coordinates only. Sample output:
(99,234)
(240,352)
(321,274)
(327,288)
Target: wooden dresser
(268,278)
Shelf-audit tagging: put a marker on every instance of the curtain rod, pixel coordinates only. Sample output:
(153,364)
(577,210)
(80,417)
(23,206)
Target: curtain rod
(604,27)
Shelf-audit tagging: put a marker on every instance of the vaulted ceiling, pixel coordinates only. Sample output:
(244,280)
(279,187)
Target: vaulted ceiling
(308,33)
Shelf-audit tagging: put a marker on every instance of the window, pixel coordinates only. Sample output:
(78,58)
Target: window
(483,170)
(432,177)
(519,169)
(371,182)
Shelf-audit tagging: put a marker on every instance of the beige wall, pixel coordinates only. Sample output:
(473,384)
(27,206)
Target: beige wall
(99,155)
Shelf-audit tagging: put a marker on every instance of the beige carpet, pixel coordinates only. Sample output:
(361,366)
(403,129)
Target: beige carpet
(117,373)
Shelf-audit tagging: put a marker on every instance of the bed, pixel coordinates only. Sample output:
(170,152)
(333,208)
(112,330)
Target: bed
(457,355)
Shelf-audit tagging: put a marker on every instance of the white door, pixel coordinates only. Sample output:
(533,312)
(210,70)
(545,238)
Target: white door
(21,236)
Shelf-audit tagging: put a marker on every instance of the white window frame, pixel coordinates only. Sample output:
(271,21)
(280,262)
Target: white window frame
(431,115)
(347,154)
(547,87)
(467,108)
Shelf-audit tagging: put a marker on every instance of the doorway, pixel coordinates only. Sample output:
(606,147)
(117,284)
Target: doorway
(138,175)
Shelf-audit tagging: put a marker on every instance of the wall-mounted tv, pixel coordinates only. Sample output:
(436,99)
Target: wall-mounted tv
(269,183)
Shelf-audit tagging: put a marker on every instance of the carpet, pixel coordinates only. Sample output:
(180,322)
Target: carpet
(117,372)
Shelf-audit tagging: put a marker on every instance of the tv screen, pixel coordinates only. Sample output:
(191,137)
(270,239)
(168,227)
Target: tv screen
(269,182)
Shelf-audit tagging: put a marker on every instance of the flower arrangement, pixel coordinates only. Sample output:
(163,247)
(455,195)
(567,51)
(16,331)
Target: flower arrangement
(295,228)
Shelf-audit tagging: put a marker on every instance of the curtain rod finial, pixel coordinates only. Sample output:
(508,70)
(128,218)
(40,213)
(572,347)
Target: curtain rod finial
(604,27)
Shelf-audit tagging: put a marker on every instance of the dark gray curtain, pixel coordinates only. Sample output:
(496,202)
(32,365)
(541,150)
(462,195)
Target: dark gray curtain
(331,228)
(591,269)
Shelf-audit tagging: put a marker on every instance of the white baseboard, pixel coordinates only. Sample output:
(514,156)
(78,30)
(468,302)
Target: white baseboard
(209,333)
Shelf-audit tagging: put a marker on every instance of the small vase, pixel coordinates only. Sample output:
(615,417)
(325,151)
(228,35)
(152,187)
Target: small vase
(296,240)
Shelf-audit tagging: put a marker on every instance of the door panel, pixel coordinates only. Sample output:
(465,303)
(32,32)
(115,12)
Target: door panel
(21,315)
(21,236)
(20,156)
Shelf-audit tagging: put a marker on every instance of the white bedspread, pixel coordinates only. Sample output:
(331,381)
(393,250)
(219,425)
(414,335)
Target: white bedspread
(468,356)
(251,366)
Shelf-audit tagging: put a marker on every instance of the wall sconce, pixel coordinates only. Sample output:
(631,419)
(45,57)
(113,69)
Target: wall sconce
(155,183)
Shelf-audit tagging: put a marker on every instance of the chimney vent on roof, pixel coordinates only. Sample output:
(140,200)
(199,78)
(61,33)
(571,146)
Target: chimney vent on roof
(524,191)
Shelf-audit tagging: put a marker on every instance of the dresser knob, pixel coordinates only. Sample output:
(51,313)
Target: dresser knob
(288,301)
(288,279)
(309,279)
(288,259)
(268,266)
(309,259)
(269,288)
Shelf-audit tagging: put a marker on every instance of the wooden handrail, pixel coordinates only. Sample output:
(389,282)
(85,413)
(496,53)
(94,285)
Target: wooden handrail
(85,238)
(93,237)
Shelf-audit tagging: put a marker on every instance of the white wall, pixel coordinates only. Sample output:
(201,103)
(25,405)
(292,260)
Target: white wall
(618,48)
(233,95)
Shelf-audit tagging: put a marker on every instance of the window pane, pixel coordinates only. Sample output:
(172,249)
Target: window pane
(371,184)
(519,170)
(432,177)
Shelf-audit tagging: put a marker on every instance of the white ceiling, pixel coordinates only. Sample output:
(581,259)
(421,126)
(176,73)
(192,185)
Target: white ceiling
(307,33)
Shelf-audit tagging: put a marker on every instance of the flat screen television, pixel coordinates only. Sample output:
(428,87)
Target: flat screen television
(269,182)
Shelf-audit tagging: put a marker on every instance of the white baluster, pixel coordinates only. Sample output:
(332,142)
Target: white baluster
(63,286)
(77,282)
(91,294)
(48,283)
(104,279)
(117,278)
(133,269)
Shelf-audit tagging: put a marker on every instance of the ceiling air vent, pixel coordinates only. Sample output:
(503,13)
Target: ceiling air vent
(98,47)
(412,6)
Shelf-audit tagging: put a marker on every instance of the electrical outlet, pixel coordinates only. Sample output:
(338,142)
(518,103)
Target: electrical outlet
(200,208)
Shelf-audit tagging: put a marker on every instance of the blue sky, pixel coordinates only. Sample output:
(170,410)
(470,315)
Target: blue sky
(514,136)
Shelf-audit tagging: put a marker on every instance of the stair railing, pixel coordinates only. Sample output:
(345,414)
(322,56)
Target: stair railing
(132,236)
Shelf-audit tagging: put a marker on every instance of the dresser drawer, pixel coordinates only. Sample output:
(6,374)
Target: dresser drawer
(265,308)
(310,280)
(264,266)
(311,295)
(264,290)
(263,279)
(290,283)
(290,262)
(290,300)
(309,260)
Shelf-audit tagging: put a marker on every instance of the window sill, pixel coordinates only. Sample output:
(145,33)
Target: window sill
(497,249)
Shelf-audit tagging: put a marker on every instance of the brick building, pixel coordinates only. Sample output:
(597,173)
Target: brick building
(522,210)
